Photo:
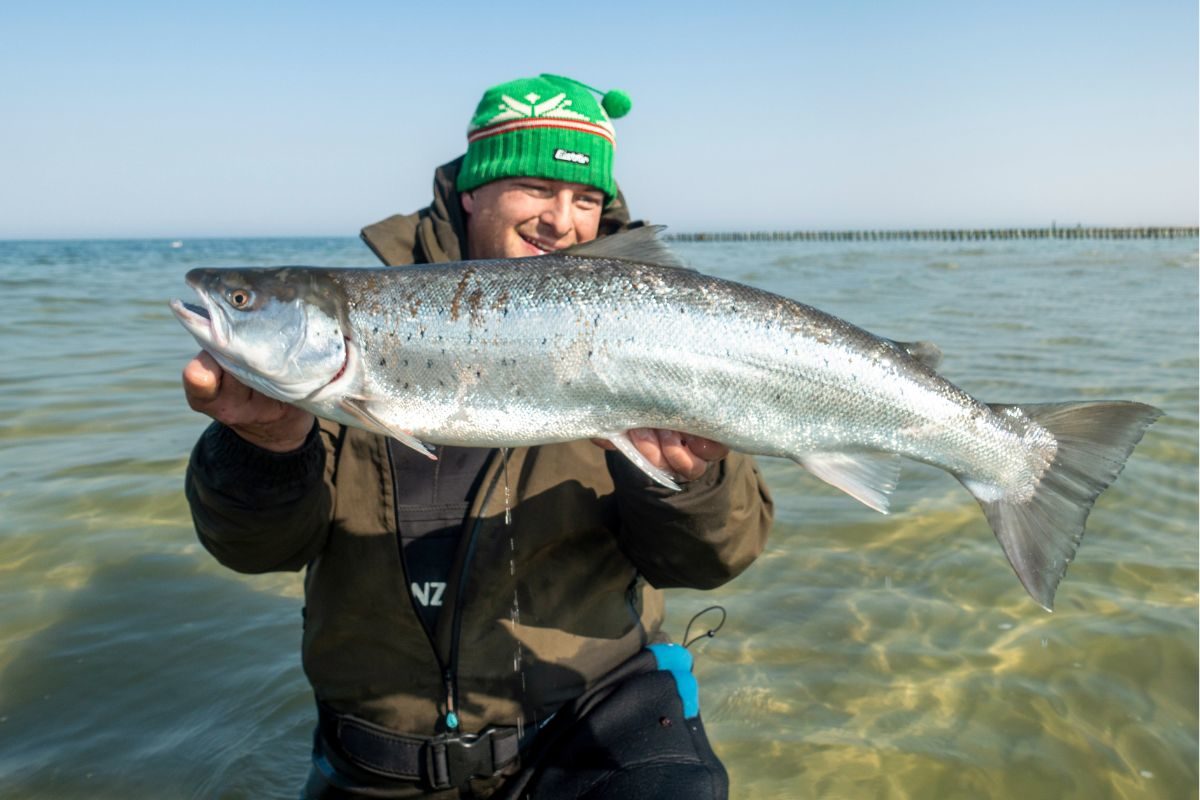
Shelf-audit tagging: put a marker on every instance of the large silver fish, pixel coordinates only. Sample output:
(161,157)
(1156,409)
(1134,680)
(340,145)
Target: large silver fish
(617,334)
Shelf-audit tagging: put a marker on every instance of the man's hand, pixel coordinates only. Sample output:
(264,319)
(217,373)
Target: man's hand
(685,455)
(260,420)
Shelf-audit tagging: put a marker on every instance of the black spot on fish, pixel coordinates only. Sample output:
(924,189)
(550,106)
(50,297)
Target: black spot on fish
(406,385)
(405,362)
(429,363)
(478,374)
(383,362)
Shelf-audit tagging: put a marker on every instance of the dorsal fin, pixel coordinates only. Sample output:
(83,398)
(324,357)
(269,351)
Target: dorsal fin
(641,245)
(927,353)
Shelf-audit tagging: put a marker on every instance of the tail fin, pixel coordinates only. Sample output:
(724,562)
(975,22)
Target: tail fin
(1040,534)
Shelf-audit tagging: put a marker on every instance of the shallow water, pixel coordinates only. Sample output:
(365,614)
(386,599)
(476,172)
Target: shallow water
(864,655)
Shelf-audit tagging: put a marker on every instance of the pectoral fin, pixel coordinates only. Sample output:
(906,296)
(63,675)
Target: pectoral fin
(357,408)
(623,443)
(867,477)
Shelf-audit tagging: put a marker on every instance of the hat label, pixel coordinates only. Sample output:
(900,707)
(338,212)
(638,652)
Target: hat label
(573,157)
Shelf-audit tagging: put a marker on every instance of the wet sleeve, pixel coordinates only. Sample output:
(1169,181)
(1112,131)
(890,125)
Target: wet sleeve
(255,510)
(697,538)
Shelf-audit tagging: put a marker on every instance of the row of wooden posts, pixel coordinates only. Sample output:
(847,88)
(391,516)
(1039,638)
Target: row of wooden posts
(973,234)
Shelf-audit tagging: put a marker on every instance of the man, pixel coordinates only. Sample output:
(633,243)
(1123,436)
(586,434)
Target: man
(487,624)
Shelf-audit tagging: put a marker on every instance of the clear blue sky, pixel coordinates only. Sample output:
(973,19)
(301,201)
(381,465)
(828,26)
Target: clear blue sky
(131,119)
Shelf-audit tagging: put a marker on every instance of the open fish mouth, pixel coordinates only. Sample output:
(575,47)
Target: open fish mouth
(199,322)
(199,311)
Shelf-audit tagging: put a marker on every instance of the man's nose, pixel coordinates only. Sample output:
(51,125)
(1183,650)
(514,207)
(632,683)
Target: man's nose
(557,214)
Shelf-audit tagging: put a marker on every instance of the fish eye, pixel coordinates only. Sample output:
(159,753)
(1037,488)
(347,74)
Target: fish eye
(239,298)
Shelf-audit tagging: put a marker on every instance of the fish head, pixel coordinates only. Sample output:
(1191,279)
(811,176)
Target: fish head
(279,331)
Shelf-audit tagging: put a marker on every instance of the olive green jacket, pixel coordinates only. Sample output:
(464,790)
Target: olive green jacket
(553,583)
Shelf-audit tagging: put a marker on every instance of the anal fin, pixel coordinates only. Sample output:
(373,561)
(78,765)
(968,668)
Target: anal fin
(867,477)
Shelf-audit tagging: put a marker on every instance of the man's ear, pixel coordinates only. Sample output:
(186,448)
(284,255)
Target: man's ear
(468,202)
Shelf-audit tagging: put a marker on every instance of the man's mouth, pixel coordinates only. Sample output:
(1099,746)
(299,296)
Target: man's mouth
(539,245)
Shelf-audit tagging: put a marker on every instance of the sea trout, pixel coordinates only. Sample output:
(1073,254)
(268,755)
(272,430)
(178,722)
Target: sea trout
(617,334)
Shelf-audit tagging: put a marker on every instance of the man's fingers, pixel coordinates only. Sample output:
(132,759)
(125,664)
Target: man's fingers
(202,380)
(707,449)
(685,455)
(646,440)
(212,391)
(679,456)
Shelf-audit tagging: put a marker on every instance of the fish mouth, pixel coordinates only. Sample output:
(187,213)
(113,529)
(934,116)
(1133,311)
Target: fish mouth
(198,320)
(199,311)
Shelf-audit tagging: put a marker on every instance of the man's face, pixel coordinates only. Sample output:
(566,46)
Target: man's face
(515,217)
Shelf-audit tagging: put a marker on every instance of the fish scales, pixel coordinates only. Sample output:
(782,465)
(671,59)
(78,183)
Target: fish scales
(629,345)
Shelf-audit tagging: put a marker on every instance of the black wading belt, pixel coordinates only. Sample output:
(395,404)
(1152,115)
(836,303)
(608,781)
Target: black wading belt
(439,762)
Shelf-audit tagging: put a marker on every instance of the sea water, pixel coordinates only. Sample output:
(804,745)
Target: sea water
(864,655)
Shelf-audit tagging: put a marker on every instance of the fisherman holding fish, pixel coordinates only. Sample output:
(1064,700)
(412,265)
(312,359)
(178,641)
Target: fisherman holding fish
(487,623)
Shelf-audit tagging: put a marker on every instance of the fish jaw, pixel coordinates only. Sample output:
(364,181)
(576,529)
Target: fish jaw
(199,322)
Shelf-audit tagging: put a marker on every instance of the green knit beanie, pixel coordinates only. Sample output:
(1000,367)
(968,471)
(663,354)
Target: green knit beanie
(545,127)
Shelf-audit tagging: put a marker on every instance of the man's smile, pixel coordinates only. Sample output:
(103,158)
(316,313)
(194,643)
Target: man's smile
(540,245)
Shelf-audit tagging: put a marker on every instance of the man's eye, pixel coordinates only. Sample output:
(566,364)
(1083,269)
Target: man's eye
(535,189)
(588,201)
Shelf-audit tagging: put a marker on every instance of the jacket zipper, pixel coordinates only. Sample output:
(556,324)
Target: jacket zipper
(450,672)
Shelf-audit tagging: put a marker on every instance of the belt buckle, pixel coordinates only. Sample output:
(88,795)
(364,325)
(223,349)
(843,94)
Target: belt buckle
(453,760)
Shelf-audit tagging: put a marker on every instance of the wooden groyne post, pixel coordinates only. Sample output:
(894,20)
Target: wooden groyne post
(941,235)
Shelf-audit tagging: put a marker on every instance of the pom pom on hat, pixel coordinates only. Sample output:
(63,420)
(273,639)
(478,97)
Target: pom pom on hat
(616,103)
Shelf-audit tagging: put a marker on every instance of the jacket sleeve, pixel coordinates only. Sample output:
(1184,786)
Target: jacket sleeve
(700,537)
(259,511)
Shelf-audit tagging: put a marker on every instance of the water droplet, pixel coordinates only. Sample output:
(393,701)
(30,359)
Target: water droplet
(1005,626)
(1145,773)
(507,491)
(1045,643)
